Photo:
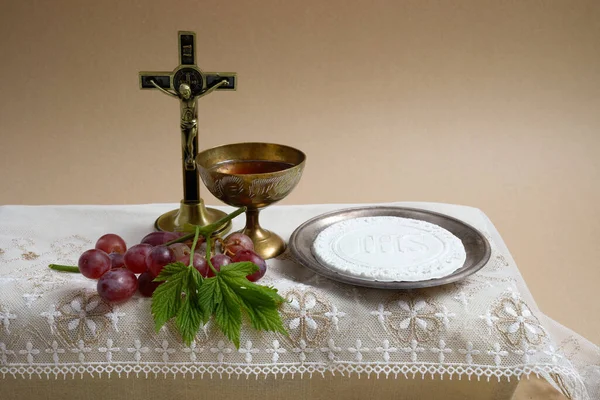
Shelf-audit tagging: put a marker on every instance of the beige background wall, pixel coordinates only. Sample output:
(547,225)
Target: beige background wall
(492,104)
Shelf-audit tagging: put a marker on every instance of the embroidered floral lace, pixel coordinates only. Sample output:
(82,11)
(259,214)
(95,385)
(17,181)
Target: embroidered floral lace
(485,327)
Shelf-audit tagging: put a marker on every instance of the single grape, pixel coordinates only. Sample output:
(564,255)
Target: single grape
(117,260)
(235,242)
(94,263)
(199,263)
(158,258)
(218,261)
(249,255)
(111,243)
(117,285)
(145,284)
(135,258)
(201,248)
(158,238)
(180,250)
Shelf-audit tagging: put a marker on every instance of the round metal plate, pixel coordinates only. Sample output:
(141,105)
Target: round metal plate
(476,245)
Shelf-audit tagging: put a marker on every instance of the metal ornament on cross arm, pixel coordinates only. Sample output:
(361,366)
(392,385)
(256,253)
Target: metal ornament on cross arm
(188,83)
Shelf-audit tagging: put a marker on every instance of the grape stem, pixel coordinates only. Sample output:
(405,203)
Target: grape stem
(208,248)
(208,230)
(194,243)
(64,268)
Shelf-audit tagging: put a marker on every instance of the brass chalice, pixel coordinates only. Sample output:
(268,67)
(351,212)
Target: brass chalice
(254,175)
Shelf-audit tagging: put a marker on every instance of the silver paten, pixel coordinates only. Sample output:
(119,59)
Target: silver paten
(476,245)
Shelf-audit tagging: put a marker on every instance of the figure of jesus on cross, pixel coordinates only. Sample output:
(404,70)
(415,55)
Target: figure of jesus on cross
(189,120)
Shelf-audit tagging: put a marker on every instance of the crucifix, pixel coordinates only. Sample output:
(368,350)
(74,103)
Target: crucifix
(188,83)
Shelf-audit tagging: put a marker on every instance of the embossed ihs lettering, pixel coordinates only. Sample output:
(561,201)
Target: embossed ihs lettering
(390,244)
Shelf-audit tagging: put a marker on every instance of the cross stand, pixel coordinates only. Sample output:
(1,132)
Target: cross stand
(188,83)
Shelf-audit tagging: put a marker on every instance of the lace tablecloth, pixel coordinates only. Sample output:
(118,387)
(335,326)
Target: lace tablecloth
(488,326)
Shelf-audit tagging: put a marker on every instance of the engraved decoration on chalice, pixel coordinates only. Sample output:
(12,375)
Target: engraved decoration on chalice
(274,172)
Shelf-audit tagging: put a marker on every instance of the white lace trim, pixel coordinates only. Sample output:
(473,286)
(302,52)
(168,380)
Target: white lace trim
(281,370)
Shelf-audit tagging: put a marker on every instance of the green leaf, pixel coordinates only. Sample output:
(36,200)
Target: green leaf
(266,319)
(239,269)
(166,299)
(259,302)
(209,295)
(189,316)
(228,314)
(169,270)
(236,273)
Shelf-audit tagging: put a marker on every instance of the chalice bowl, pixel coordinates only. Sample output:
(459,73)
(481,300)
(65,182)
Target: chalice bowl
(254,175)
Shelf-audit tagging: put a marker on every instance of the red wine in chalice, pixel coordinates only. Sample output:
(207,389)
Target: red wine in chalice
(247,167)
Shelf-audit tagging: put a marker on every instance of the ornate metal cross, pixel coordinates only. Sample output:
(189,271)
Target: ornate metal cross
(188,83)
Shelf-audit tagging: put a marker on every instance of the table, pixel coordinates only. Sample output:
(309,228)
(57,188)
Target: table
(472,339)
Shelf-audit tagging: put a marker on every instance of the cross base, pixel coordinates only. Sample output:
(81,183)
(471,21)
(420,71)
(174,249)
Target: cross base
(194,213)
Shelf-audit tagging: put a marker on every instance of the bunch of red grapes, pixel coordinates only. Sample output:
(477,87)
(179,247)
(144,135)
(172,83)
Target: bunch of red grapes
(121,271)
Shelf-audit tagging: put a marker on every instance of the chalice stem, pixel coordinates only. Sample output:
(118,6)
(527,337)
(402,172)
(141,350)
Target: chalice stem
(253,228)
(266,243)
